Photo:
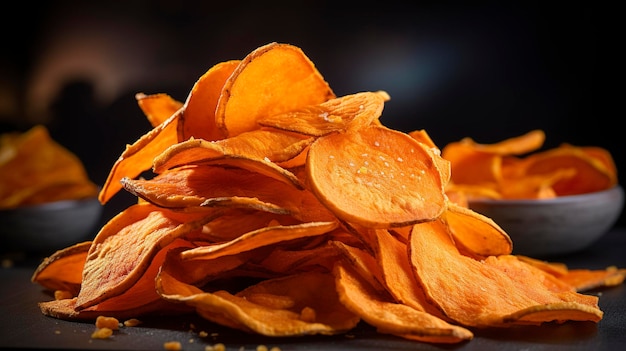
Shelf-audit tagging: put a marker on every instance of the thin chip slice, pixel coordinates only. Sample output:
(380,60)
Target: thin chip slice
(519,145)
(496,291)
(580,279)
(198,118)
(288,306)
(66,309)
(477,233)
(190,187)
(393,258)
(389,317)
(63,269)
(272,79)
(335,115)
(381,178)
(138,157)
(472,166)
(123,249)
(275,146)
(262,237)
(157,107)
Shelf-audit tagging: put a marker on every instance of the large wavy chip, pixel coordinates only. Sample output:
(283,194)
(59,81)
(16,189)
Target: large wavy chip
(272,79)
(198,118)
(293,305)
(258,238)
(476,233)
(495,292)
(124,248)
(376,177)
(138,156)
(63,270)
(390,317)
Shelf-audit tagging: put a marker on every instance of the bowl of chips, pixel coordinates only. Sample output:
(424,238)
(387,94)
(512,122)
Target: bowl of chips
(550,201)
(47,200)
(555,226)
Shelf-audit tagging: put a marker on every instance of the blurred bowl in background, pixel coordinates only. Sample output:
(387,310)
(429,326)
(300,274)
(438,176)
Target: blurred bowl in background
(49,227)
(557,226)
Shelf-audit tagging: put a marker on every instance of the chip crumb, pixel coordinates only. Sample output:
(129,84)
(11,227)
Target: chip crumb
(261,348)
(275,348)
(133,322)
(57,332)
(203,334)
(215,347)
(107,322)
(172,346)
(102,333)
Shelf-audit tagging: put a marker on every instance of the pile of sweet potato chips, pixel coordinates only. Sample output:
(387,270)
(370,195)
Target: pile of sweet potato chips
(281,209)
(35,169)
(517,168)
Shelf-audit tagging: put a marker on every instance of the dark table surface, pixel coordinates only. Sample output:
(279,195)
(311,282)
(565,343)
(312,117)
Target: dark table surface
(22,326)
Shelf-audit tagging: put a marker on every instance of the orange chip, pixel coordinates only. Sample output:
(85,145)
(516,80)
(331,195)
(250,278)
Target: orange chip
(115,261)
(380,177)
(198,118)
(63,270)
(287,306)
(272,79)
(335,115)
(258,238)
(479,293)
(477,233)
(157,107)
(389,317)
(139,156)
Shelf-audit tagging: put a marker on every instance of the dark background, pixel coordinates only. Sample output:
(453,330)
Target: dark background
(488,70)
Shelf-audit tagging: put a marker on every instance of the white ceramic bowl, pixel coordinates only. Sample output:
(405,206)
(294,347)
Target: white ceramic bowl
(48,227)
(562,225)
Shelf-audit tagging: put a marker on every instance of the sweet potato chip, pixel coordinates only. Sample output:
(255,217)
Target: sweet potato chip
(393,258)
(476,232)
(380,177)
(579,279)
(123,249)
(157,107)
(272,79)
(258,238)
(260,144)
(389,317)
(335,115)
(288,306)
(198,118)
(498,291)
(63,269)
(191,187)
(139,156)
